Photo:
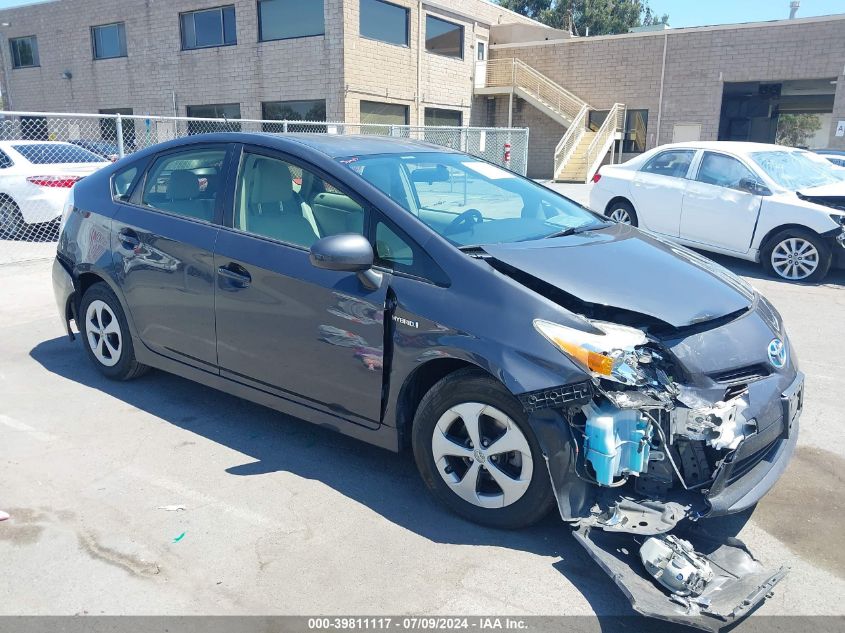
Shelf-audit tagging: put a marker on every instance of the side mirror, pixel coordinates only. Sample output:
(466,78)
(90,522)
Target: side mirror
(347,252)
(754,187)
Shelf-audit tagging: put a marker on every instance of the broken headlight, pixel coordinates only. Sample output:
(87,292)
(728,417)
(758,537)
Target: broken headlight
(611,355)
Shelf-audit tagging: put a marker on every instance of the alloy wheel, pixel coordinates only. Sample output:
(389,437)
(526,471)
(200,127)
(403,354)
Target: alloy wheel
(482,455)
(620,215)
(795,258)
(103,333)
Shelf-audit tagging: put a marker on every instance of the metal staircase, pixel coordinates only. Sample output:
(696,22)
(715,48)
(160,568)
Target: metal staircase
(581,151)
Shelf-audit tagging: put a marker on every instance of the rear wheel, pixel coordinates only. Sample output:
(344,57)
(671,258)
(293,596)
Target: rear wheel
(11,220)
(622,211)
(106,336)
(477,453)
(797,255)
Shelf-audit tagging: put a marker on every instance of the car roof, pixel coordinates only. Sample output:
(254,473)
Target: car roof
(330,145)
(733,147)
(30,142)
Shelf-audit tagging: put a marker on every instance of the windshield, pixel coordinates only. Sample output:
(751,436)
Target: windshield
(471,202)
(56,153)
(794,170)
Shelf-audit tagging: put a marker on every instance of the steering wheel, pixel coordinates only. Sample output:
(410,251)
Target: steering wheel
(464,222)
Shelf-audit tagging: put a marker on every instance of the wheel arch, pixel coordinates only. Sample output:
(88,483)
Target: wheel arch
(616,199)
(767,238)
(87,277)
(417,384)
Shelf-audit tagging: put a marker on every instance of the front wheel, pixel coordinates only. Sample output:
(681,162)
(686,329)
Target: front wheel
(622,212)
(797,255)
(105,334)
(477,454)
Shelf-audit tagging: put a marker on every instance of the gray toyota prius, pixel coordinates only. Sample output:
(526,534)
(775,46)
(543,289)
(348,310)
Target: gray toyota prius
(529,352)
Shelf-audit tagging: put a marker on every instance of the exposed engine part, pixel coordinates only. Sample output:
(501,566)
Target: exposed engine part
(657,480)
(694,464)
(616,442)
(676,565)
(722,425)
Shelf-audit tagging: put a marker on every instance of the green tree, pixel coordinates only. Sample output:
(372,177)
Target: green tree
(601,17)
(796,130)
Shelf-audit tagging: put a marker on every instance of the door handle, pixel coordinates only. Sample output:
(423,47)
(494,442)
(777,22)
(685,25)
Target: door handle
(129,238)
(236,273)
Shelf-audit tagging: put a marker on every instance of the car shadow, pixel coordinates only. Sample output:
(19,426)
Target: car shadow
(752,270)
(384,481)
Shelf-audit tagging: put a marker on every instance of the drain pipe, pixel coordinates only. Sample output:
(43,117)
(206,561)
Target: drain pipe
(660,99)
(419,57)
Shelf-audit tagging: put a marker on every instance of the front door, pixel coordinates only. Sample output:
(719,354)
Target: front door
(716,212)
(313,336)
(658,189)
(164,250)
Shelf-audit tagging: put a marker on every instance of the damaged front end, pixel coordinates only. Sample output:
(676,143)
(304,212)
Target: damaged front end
(644,447)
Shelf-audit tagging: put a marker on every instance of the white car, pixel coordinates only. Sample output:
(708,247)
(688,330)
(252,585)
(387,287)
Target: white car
(35,177)
(764,203)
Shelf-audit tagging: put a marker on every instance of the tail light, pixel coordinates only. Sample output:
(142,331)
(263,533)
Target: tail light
(597,176)
(59,182)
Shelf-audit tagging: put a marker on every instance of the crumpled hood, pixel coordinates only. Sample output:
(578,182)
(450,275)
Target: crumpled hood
(623,267)
(832,195)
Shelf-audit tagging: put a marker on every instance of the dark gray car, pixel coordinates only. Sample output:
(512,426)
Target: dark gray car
(530,353)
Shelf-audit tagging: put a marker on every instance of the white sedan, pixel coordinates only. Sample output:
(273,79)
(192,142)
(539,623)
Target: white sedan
(764,203)
(35,177)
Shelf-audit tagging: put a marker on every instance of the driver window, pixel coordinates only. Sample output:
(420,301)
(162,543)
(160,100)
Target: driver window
(722,171)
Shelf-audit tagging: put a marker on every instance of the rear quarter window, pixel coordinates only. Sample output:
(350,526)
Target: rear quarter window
(123,181)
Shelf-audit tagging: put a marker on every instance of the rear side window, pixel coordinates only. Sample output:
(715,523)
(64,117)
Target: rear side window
(674,163)
(56,153)
(5,161)
(186,183)
(122,181)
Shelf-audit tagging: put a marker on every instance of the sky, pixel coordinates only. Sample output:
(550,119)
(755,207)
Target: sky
(700,12)
(704,12)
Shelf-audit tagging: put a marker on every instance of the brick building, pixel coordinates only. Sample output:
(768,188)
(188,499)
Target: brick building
(425,62)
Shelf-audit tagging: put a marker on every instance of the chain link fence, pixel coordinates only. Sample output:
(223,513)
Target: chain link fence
(43,154)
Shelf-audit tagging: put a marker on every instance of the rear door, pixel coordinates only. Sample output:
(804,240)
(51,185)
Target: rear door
(658,190)
(313,336)
(716,212)
(163,244)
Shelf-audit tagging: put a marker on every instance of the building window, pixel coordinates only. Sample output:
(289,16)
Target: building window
(24,52)
(314,110)
(108,128)
(444,38)
(207,28)
(227,111)
(636,131)
(286,19)
(482,51)
(109,40)
(384,21)
(373,112)
(439,116)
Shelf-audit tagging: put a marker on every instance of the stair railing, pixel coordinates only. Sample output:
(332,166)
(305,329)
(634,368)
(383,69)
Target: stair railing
(515,73)
(605,136)
(567,144)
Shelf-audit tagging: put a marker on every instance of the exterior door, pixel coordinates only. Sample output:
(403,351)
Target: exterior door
(716,211)
(658,190)
(313,336)
(164,252)
(480,63)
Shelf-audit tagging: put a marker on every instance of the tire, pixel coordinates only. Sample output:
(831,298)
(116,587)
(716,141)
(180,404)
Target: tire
(105,334)
(523,470)
(796,255)
(623,212)
(12,223)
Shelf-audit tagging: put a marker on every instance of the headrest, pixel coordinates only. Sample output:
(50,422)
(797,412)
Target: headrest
(273,182)
(183,185)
